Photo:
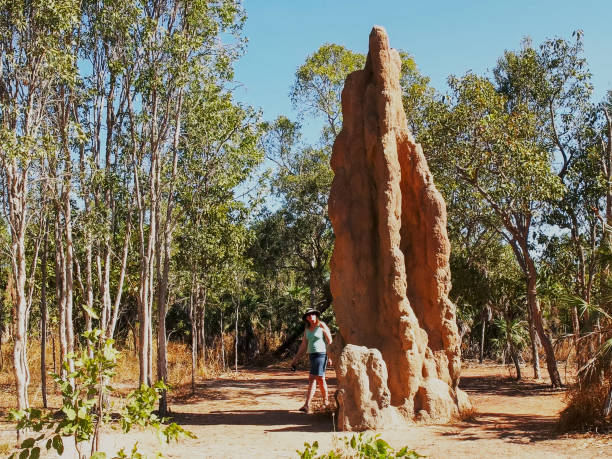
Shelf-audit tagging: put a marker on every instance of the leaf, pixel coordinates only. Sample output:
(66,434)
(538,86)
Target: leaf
(91,313)
(16,415)
(98,455)
(24,454)
(58,444)
(35,453)
(382,445)
(70,412)
(353,442)
(27,443)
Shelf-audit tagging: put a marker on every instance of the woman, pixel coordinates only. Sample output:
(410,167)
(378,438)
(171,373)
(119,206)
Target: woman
(316,335)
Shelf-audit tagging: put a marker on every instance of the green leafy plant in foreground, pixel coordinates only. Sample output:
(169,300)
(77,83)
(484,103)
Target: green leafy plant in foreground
(361,446)
(85,391)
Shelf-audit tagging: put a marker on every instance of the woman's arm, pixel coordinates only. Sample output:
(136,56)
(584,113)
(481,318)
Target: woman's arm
(301,350)
(326,332)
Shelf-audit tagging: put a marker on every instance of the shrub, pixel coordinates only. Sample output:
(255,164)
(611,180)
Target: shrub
(85,392)
(590,400)
(361,446)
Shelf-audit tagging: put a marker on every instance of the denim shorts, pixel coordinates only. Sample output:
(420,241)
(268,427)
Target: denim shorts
(318,362)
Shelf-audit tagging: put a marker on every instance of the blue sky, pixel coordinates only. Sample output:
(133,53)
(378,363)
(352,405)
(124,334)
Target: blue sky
(445,37)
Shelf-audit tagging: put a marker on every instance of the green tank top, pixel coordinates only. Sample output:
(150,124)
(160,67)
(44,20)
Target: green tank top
(316,341)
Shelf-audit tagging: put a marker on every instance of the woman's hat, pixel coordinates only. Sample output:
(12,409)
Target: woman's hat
(311,311)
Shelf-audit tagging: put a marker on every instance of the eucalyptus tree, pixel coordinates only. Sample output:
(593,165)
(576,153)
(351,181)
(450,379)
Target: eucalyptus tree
(68,137)
(318,84)
(35,60)
(302,174)
(554,82)
(605,138)
(301,181)
(172,44)
(317,89)
(219,152)
(104,185)
(493,148)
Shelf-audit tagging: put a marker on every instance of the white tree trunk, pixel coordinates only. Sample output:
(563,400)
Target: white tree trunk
(43,322)
(236,340)
(69,275)
(60,285)
(17,192)
(194,338)
(222,342)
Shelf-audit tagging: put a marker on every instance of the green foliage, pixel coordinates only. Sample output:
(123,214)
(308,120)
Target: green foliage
(319,82)
(513,334)
(418,97)
(133,454)
(84,408)
(358,446)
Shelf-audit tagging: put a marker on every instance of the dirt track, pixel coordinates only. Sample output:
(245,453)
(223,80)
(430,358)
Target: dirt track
(255,416)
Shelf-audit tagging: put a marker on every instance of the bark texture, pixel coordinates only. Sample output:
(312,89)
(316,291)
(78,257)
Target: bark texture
(390,274)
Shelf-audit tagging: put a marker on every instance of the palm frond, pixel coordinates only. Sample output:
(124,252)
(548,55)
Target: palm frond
(583,306)
(600,363)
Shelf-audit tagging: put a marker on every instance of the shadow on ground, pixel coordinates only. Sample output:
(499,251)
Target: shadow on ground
(515,428)
(496,385)
(287,384)
(294,421)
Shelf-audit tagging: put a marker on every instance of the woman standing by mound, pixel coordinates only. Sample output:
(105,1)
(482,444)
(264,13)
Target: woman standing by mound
(316,338)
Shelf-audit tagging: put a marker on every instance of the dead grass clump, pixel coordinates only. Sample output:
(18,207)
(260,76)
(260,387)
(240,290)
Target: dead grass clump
(179,364)
(589,402)
(468,415)
(584,408)
(5,449)
(7,376)
(127,370)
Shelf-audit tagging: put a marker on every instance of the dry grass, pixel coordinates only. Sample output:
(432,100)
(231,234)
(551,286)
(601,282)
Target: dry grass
(585,400)
(5,449)
(7,375)
(468,415)
(126,373)
(584,407)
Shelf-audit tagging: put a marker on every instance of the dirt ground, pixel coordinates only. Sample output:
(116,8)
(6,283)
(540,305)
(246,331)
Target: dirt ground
(255,415)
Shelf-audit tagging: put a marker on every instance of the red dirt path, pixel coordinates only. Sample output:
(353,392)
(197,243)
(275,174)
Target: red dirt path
(255,415)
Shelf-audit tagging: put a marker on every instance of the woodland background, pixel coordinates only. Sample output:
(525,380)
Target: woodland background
(140,198)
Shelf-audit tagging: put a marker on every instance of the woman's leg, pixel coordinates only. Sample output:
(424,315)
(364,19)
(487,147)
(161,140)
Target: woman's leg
(323,388)
(312,385)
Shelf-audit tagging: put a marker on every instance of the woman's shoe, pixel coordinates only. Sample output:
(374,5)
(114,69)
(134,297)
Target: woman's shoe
(305,409)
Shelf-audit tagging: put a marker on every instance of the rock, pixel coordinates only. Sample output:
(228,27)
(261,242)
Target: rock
(390,274)
(364,399)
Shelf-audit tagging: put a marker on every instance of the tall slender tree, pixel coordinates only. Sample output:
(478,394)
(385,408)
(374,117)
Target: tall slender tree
(34,60)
